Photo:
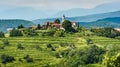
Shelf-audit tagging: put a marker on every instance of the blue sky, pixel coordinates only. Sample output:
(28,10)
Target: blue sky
(54,4)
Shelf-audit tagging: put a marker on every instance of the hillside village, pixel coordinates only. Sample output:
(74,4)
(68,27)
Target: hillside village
(56,24)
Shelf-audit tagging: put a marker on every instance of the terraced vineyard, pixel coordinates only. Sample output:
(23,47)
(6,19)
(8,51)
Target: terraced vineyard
(41,57)
(103,41)
(45,55)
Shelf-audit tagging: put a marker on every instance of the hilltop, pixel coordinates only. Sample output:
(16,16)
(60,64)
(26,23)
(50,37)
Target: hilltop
(113,22)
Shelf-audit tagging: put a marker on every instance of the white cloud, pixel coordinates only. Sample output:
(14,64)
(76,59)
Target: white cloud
(54,4)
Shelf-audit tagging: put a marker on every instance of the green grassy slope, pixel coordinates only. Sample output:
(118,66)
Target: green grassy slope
(46,56)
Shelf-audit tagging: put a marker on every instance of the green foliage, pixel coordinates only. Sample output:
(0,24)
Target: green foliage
(38,26)
(57,21)
(57,55)
(68,26)
(38,47)
(48,33)
(81,29)
(2,47)
(20,26)
(6,42)
(49,46)
(89,41)
(6,58)
(89,55)
(2,34)
(107,32)
(15,32)
(19,46)
(28,59)
(30,32)
(59,34)
(113,61)
(53,49)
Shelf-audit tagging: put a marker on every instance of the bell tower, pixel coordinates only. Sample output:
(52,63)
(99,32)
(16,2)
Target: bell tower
(63,18)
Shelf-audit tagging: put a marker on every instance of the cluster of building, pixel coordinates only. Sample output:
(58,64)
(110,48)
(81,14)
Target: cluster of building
(58,25)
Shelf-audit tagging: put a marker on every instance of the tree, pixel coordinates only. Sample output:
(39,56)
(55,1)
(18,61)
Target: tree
(21,26)
(57,21)
(38,27)
(2,34)
(68,26)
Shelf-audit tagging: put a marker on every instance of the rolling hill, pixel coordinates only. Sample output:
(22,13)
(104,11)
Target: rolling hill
(107,22)
(4,24)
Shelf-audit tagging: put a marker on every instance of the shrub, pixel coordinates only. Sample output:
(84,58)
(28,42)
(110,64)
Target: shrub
(53,49)
(38,47)
(20,59)
(30,32)
(6,42)
(15,32)
(48,33)
(28,59)
(19,46)
(59,34)
(113,61)
(72,46)
(6,58)
(107,32)
(2,47)
(57,55)
(63,44)
(89,41)
(2,34)
(49,45)
(89,55)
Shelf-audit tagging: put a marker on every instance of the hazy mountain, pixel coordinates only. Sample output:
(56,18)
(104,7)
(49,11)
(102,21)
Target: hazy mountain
(22,13)
(88,18)
(107,7)
(5,24)
(107,22)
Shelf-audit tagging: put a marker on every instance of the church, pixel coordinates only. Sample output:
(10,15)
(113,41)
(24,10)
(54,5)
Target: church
(58,25)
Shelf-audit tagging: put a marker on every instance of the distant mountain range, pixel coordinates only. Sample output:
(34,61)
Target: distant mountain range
(103,8)
(5,24)
(113,22)
(30,13)
(88,18)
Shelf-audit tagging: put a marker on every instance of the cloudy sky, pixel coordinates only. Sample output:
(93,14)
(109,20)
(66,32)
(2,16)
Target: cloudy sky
(54,4)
